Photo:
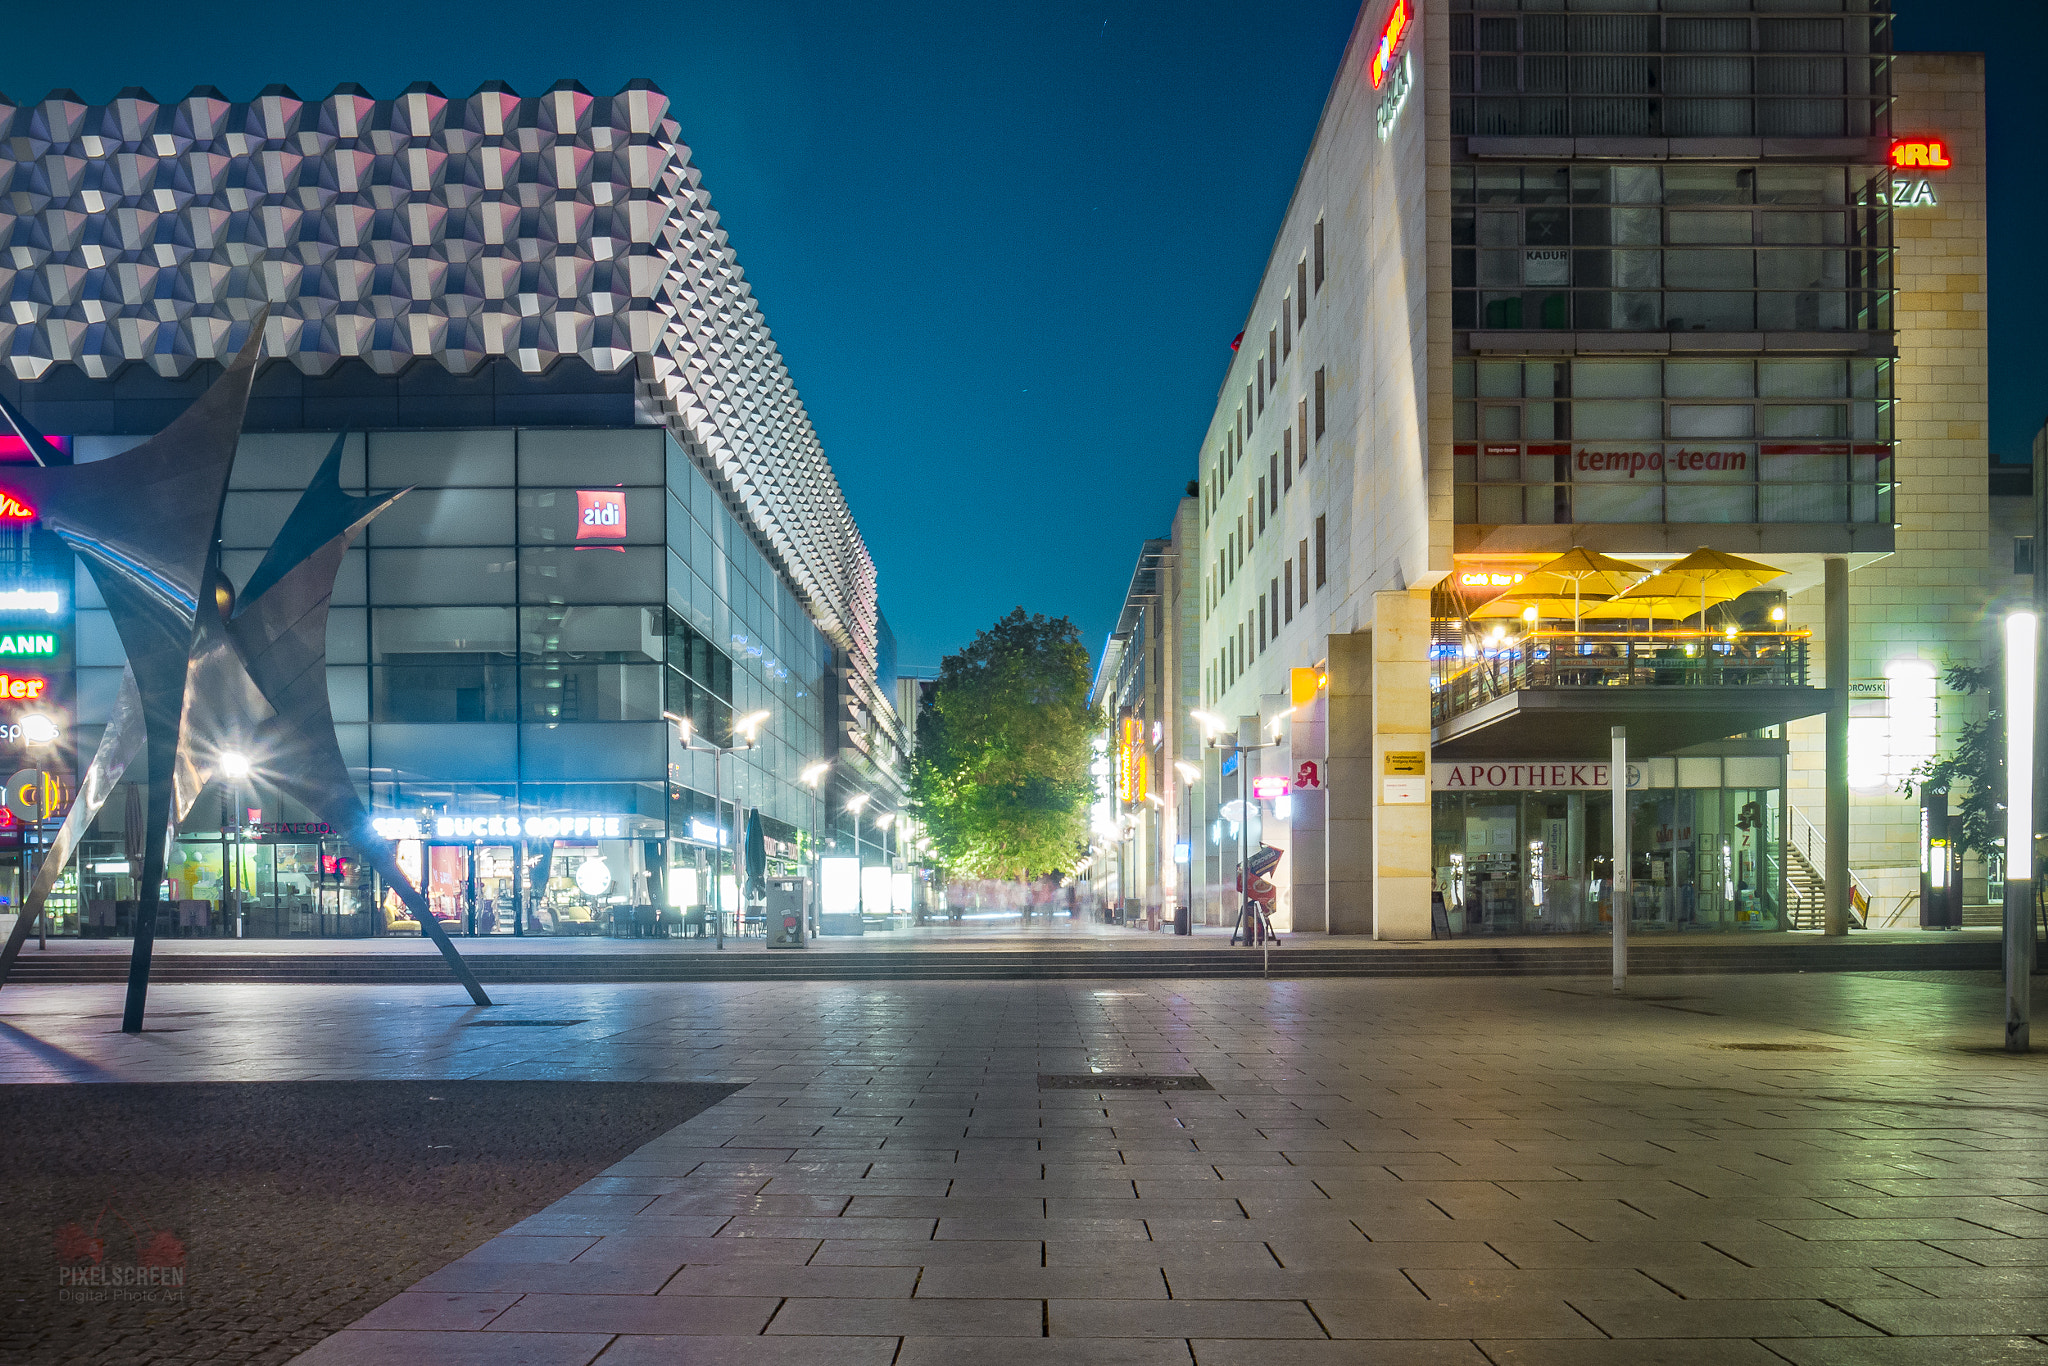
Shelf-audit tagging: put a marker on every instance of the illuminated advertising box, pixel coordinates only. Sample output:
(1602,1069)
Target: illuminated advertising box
(601,517)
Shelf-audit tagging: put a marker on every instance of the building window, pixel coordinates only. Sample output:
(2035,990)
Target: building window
(1274,594)
(1303,561)
(1286,326)
(1251,517)
(1287,460)
(1262,622)
(1322,552)
(1301,291)
(1677,440)
(1680,248)
(1321,422)
(1287,577)
(1262,504)
(1319,256)
(1301,425)
(2023,554)
(1260,392)
(1273,349)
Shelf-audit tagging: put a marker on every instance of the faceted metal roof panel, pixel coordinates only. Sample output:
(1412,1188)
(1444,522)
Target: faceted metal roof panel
(414,228)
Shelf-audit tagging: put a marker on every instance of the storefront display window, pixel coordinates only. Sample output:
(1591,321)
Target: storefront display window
(1542,862)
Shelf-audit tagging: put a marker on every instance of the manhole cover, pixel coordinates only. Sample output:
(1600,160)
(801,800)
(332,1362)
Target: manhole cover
(520,1024)
(1119,1081)
(1778,1047)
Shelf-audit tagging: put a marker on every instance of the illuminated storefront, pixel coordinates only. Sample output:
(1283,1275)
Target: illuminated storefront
(1527,848)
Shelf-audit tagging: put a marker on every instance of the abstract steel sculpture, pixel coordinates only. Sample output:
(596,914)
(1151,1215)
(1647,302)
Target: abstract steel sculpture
(205,670)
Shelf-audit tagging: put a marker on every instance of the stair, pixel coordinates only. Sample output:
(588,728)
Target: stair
(1648,955)
(1805,891)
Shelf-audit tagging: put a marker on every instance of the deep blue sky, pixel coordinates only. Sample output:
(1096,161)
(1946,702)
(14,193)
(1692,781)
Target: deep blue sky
(1004,248)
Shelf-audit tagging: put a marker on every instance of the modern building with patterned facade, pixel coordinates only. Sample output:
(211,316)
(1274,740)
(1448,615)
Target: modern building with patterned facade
(1633,279)
(523,309)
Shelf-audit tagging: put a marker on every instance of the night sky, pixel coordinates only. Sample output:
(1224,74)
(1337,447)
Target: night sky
(1003,248)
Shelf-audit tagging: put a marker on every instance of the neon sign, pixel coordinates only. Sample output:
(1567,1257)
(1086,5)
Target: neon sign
(19,689)
(503,827)
(29,600)
(1396,97)
(1396,29)
(1266,789)
(14,510)
(600,515)
(1488,579)
(1920,153)
(28,643)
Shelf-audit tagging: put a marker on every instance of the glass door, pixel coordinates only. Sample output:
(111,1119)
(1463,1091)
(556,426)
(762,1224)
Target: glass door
(496,899)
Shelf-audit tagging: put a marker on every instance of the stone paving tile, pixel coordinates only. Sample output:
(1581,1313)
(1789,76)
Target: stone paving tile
(1527,1316)
(1238,1352)
(1962,1351)
(426,1309)
(1041,1352)
(1182,1319)
(652,1350)
(1775,1318)
(913,1318)
(1042,1282)
(1697,1352)
(363,1347)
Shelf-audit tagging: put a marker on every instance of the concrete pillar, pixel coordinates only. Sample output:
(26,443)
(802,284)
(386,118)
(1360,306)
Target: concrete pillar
(1308,732)
(1402,876)
(1350,785)
(1835,616)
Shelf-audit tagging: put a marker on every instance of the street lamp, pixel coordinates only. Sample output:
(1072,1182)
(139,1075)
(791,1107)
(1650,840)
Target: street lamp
(2022,638)
(813,777)
(749,725)
(1190,774)
(234,767)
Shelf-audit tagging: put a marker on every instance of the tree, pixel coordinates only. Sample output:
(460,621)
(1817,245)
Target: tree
(1000,780)
(1976,766)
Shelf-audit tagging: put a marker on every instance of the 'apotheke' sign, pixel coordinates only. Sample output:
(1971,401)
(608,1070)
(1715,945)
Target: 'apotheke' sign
(1528,777)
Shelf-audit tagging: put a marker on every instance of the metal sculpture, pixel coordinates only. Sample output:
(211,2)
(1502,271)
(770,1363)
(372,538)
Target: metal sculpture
(204,671)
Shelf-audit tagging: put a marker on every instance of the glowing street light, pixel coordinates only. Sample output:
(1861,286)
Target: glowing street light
(234,765)
(2022,639)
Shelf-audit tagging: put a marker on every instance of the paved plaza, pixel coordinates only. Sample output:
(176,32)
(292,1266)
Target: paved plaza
(1820,1169)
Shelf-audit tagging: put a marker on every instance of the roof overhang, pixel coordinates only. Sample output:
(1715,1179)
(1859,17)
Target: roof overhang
(1576,723)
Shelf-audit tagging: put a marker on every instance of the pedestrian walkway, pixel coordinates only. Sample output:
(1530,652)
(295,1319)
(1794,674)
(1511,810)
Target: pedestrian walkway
(1819,1170)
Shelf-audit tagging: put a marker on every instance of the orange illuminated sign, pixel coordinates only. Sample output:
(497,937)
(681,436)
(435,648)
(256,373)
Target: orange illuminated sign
(19,688)
(1396,29)
(1925,154)
(14,510)
(1127,763)
(1480,578)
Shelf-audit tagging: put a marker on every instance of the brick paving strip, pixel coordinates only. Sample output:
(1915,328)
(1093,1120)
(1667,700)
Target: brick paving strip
(1823,1171)
(296,1206)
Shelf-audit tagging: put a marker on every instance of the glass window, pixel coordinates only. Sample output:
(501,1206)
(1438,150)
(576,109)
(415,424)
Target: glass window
(288,460)
(416,630)
(575,631)
(591,574)
(1803,378)
(1500,379)
(253,519)
(1828,420)
(1718,228)
(446,517)
(555,516)
(1709,379)
(591,691)
(440,459)
(1610,420)
(1617,379)
(591,457)
(1709,420)
(1707,184)
(439,576)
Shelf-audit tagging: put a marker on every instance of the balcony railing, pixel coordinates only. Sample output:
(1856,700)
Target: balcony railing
(1590,659)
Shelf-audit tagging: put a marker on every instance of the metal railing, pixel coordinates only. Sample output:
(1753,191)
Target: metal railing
(1562,659)
(1812,845)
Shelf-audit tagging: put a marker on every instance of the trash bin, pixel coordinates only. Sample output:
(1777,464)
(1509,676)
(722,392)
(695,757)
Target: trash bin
(1181,921)
(788,905)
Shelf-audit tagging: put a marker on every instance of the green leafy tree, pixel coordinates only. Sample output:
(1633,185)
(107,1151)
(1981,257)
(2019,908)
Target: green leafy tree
(1000,780)
(1974,770)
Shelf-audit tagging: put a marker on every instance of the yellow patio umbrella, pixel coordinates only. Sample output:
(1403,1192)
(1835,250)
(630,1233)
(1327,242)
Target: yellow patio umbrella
(1706,578)
(1563,586)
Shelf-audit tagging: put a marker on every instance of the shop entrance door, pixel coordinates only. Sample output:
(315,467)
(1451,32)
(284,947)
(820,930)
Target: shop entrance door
(497,902)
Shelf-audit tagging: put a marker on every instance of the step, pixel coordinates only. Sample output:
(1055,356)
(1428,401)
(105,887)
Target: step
(1654,957)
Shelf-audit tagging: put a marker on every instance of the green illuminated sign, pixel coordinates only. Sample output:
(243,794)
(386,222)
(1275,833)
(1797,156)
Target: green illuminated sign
(28,643)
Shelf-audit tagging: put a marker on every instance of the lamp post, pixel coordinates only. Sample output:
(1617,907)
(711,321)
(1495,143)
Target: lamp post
(2022,638)
(1190,774)
(235,768)
(853,808)
(813,777)
(750,723)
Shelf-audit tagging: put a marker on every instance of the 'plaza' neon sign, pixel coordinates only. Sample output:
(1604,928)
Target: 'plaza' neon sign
(1397,26)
